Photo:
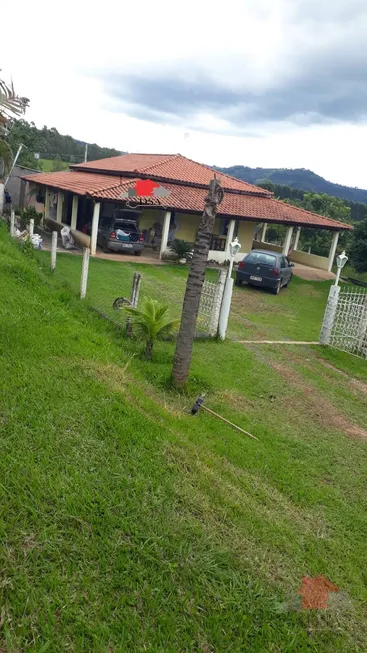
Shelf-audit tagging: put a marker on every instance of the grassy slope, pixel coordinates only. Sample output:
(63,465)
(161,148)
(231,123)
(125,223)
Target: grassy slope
(47,165)
(128,525)
(295,314)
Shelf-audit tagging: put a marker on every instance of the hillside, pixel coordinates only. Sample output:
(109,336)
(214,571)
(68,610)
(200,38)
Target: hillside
(51,146)
(297,178)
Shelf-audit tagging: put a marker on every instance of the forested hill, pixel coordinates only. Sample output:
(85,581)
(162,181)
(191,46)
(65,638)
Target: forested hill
(50,144)
(297,178)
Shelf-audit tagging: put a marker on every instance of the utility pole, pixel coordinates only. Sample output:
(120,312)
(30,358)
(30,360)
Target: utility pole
(86,153)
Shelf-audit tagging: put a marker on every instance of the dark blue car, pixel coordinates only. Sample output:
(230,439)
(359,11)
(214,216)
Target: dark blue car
(265,268)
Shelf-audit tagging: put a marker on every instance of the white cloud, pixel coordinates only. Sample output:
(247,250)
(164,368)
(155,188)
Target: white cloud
(63,57)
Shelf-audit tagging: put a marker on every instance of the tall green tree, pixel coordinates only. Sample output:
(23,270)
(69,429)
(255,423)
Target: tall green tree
(358,248)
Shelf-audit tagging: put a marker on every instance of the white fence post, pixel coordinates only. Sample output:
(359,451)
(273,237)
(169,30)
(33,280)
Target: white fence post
(31,228)
(225,308)
(53,250)
(329,316)
(85,268)
(12,223)
(362,335)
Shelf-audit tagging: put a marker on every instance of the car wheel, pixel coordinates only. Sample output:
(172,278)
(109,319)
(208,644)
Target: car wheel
(276,290)
(105,248)
(237,282)
(138,253)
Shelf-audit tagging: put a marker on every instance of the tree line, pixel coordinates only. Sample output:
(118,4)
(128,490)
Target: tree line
(50,144)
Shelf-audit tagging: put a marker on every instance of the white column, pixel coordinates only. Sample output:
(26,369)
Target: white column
(2,187)
(263,233)
(225,308)
(74,211)
(53,249)
(328,321)
(31,228)
(12,222)
(287,241)
(296,240)
(332,252)
(84,277)
(47,203)
(60,204)
(95,223)
(230,232)
(165,232)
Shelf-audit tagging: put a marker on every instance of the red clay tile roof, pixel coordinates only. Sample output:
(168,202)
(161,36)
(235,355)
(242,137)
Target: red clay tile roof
(81,183)
(173,167)
(257,209)
(187,198)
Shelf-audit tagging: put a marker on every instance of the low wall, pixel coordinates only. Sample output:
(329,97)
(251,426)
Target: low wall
(312,260)
(220,257)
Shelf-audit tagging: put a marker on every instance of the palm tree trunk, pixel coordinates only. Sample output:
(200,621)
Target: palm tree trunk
(149,349)
(190,308)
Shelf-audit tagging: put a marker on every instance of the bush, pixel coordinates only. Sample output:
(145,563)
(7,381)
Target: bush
(30,213)
(181,249)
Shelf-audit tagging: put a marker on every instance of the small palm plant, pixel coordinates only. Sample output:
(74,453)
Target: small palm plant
(181,248)
(151,323)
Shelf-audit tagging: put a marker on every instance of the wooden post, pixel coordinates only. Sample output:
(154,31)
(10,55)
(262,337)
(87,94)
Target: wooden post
(53,250)
(134,298)
(12,223)
(85,268)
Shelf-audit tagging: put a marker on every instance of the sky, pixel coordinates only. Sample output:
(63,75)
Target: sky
(268,83)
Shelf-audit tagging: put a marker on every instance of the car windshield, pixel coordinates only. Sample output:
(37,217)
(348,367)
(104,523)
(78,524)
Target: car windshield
(261,258)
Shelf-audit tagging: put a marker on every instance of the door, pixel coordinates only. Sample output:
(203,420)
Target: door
(285,270)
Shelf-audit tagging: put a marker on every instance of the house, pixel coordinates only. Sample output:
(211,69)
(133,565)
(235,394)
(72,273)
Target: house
(92,190)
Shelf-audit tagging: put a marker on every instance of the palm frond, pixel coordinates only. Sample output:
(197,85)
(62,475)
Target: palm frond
(11,104)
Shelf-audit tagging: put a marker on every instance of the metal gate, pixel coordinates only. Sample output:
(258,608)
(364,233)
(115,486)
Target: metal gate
(210,303)
(346,315)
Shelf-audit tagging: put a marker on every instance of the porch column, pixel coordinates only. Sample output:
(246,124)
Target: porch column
(47,202)
(74,211)
(230,232)
(165,232)
(95,223)
(263,233)
(287,241)
(60,203)
(296,240)
(332,252)
(23,184)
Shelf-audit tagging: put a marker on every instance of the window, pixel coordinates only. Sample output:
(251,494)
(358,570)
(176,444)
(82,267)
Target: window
(284,262)
(261,258)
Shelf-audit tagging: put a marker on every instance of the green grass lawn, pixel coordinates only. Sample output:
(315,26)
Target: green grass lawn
(47,165)
(295,314)
(127,524)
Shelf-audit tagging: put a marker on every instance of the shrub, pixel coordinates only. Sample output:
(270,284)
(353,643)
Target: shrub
(150,323)
(28,213)
(181,248)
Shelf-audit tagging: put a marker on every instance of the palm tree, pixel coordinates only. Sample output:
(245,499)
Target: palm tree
(190,308)
(151,323)
(11,105)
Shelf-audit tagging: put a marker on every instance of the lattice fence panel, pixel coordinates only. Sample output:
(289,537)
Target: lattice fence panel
(210,303)
(349,330)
